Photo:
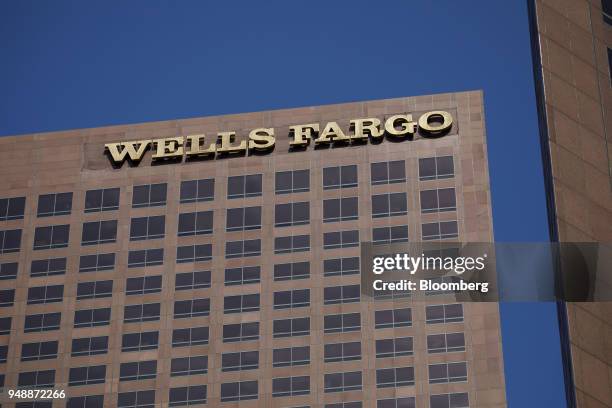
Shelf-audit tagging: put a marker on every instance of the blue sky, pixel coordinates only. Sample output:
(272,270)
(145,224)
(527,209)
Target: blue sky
(68,64)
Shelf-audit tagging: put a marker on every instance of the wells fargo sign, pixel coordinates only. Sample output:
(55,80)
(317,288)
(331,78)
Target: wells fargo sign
(430,124)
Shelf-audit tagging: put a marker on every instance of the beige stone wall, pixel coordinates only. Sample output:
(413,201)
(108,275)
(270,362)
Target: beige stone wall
(74,161)
(573,40)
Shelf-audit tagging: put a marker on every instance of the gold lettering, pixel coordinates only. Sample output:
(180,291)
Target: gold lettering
(371,125)
(169,147)
(444,118)
(303,133)
(406,123)
(129,149)
(226,143)
(261,139)
(195,146)
(331,132)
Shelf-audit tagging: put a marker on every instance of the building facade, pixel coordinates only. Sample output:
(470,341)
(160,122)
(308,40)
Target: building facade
(232,278)
(571,43)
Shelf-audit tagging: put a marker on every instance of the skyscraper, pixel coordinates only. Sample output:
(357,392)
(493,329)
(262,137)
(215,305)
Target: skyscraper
(572,56)
(216,260)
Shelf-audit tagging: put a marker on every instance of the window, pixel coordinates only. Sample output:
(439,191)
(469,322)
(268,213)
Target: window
(341,382)
(335,352)
(242,276)
(295,243)
(292,271)
(243,219)
(34,404)
(291,356)
(8,270)
(12,208)
(102,200)
(606,7)
(10,241)
(96,262)
(432,168)
(289,214)
(39,351)
(290,386)
(341,239)
(455,400)
(339,177)
(341,266)
(403,402)
(99,232)
(191,336)
(45,294)
(191,308)
(239,391)
(341,294)
(340,209)
(296,181)
(292,299)
(138,370)
(352,404)
(42,322)
(244,186)
(194,253)
(447,372)
(609,21)
(439,230)
(94,290)
(92,317)
(153,227)
(89,346)
(140,341)
(7,297)
(192,365)
(88,401)
(388,235)
(5,325)
(298,326)
(241,303)
(444,313)
(187,396)
(53,236)
(197,190)
(240,332)
(149,195)
(393,318)
(192,280)
(143,285)
(4,354)
(38,379)
(54,204)
(244,360)
(136,399)
(394,377)
(145,257)
(445,342)
(246,248)
(388,172)
(389,205)
(47,267)
(147,312)
(86,375)
(341,323)
(195,223)
(438,200)
(401,346)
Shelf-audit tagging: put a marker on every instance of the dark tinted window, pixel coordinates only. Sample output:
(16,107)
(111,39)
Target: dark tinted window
(12,208)
(195,223)
(10,241)
(292,271)
(244,186)
(53,236)
(54,204)
(340,177)
(96,262)
(193,253)
(149,195)
(47,267)
(145,257)
(99,232)
(295,181)
(8,270)
(197,190)
(102,200)
(432,168)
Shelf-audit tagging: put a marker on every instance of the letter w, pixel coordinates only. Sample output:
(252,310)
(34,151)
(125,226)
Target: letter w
(129,149)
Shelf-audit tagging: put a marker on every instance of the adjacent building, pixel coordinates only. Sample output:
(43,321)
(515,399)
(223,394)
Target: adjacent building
(571,43)
(216,261)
